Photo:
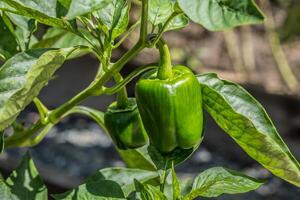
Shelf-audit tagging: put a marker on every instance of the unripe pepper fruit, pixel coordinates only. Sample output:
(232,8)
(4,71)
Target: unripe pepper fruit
(123,121)
(170,104)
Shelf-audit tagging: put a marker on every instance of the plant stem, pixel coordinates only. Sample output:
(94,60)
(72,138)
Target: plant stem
(278,53)
(165,65)
(164,176)
(122,97)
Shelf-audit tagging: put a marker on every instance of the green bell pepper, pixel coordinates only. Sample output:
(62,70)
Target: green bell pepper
(171,109)
(170,104)
(124,125)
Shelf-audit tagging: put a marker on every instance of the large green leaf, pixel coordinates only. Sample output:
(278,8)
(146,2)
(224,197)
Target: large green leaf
(124,177)
(218,15)
(25,183)
(217,181)
(161,10)
(114,17)
(52,12)
(247,122)
(23,76)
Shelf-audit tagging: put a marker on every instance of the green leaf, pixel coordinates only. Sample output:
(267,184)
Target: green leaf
(5,192)
(60,38)
(23,76)
(94,190)
(217,181)
(25,182)
(124,177)
(247,122)
(161,10)
(137,158)
(24,30)
(82,7)
(42,11)
(164,161)
(175,184)
(178,22)
(55,12)
(114,17)
(149,192)
(8,44)
(216,15)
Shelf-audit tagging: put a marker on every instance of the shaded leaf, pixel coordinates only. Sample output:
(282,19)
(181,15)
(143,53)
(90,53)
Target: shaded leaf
(8,44)
(247,122)
(218,15)
(93,190)
(25,182)
(137,158)
(124,177)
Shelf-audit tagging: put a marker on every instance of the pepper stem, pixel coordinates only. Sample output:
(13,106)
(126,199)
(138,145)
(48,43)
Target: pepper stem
(122,97)
(165,64)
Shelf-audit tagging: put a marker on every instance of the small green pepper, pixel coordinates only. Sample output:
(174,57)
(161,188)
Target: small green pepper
(125,126)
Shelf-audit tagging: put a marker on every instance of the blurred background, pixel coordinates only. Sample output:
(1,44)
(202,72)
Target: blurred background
(265,59)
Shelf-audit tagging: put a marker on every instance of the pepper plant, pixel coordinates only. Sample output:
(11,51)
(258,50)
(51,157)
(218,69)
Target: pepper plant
(153,132)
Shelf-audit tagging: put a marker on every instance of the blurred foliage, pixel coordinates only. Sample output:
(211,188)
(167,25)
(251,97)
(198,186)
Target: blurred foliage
(291,27)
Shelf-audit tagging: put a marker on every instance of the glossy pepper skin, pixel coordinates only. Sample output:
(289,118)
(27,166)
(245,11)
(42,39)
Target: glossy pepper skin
(125,126)
(171,109)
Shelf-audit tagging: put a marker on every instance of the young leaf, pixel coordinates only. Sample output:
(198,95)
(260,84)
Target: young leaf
(217,181)
(94,190)
(149,192)
(26,182)
(124,177)
(114,17)
(161,10)
(247,122)
(175,184)
(23,76)
(216,15)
